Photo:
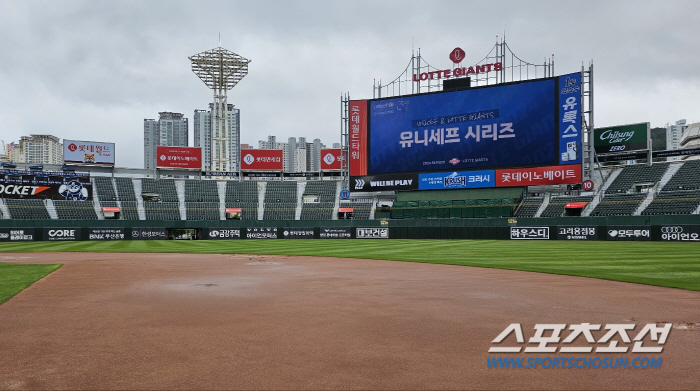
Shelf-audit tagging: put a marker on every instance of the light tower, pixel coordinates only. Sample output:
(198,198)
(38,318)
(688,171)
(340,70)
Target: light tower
(220,70)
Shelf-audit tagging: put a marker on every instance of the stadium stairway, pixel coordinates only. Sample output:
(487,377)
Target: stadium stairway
(338,189)
(545,203)
(51,209)
(261,199)
(696,211)
(180,188)
(301,186)
(96,201)
(372,210)
(3,210)
(670,172)
(138,189)
(601,192)
(221,187)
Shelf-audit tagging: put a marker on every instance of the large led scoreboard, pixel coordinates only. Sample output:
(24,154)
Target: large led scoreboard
(514,134)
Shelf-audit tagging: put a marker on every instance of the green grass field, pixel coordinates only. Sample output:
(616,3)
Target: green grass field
(14,278)
(665,264)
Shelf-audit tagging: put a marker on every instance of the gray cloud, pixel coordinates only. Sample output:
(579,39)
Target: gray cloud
(94,70)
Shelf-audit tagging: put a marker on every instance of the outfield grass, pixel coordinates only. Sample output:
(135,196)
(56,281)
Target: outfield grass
(665,264)
(14,278)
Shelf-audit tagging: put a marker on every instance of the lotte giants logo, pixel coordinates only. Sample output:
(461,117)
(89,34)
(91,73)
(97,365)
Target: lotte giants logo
(249,159)
(457,55)
(329,158)
(72,147)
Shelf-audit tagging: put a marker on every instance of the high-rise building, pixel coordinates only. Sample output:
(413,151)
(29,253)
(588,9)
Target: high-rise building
(36,149)
(171,129)
(210,138)
(298,155)
(674,134)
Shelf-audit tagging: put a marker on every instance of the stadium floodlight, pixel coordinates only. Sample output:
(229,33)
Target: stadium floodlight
(220,70)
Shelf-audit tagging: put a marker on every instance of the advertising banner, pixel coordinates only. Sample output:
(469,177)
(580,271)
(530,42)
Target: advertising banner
(629,232)
(148,234)
(179,157)
(298,233)
(372,233)
(45,185)
(61,234)
(88,152)
(16,234)
(457,180)
(222,233)
(504,125)
(262,159)
(623,138)
(680,233)
(106,234)
(331,159)
(529,233)
(358,137)
(335,233)
(577,233)
(261,233)
(570,119)
(387,182)
(538,176)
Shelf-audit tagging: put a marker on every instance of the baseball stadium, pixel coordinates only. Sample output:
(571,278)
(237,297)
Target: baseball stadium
(474,231)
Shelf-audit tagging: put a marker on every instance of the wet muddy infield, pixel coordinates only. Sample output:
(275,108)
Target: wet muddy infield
(194,321)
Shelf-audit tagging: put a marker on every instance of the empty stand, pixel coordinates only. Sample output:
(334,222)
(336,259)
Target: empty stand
(529,206)
(618,204)
(165,188)
(105,188)
(202,210)
(27,209)
(362,209)
(557,205)
(162,210)
(201,191)
(280,200)
(125,189)
(243,195)
(318,200)
(75,210)
(686,178)
(631,175)
(674,203)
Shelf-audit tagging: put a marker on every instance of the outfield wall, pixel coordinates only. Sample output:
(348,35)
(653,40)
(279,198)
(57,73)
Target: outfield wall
(638,228)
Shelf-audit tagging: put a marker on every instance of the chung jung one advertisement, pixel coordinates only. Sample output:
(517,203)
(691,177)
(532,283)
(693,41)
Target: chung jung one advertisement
(508,125)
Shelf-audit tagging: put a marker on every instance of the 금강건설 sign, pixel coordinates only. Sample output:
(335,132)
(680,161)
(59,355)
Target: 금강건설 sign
(623,138)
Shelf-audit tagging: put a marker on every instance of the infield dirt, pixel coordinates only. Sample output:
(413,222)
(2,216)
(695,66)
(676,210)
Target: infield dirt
(194,321)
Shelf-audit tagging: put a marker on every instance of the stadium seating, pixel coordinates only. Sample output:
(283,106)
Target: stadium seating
(243,195)
(162,210)
(529,206)
(557,205)
(128,210)
(674,203)
(27,209)
(618,204)
(75,210)
(361,208)
(125,189)
(686,178)
(165,188)
(442,209)
(318,200)
(202,210)
(201,191)
(280,200)
(632,175)
(105,188)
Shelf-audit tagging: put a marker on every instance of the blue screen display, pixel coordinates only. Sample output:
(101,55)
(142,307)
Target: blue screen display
(507,125)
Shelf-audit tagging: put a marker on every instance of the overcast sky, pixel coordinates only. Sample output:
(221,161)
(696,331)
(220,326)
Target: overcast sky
(93,70)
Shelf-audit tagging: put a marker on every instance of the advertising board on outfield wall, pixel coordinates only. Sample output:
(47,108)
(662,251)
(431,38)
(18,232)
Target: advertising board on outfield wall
(331,159)
(262,159)
(88,152)
(179,157)
(479,137)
